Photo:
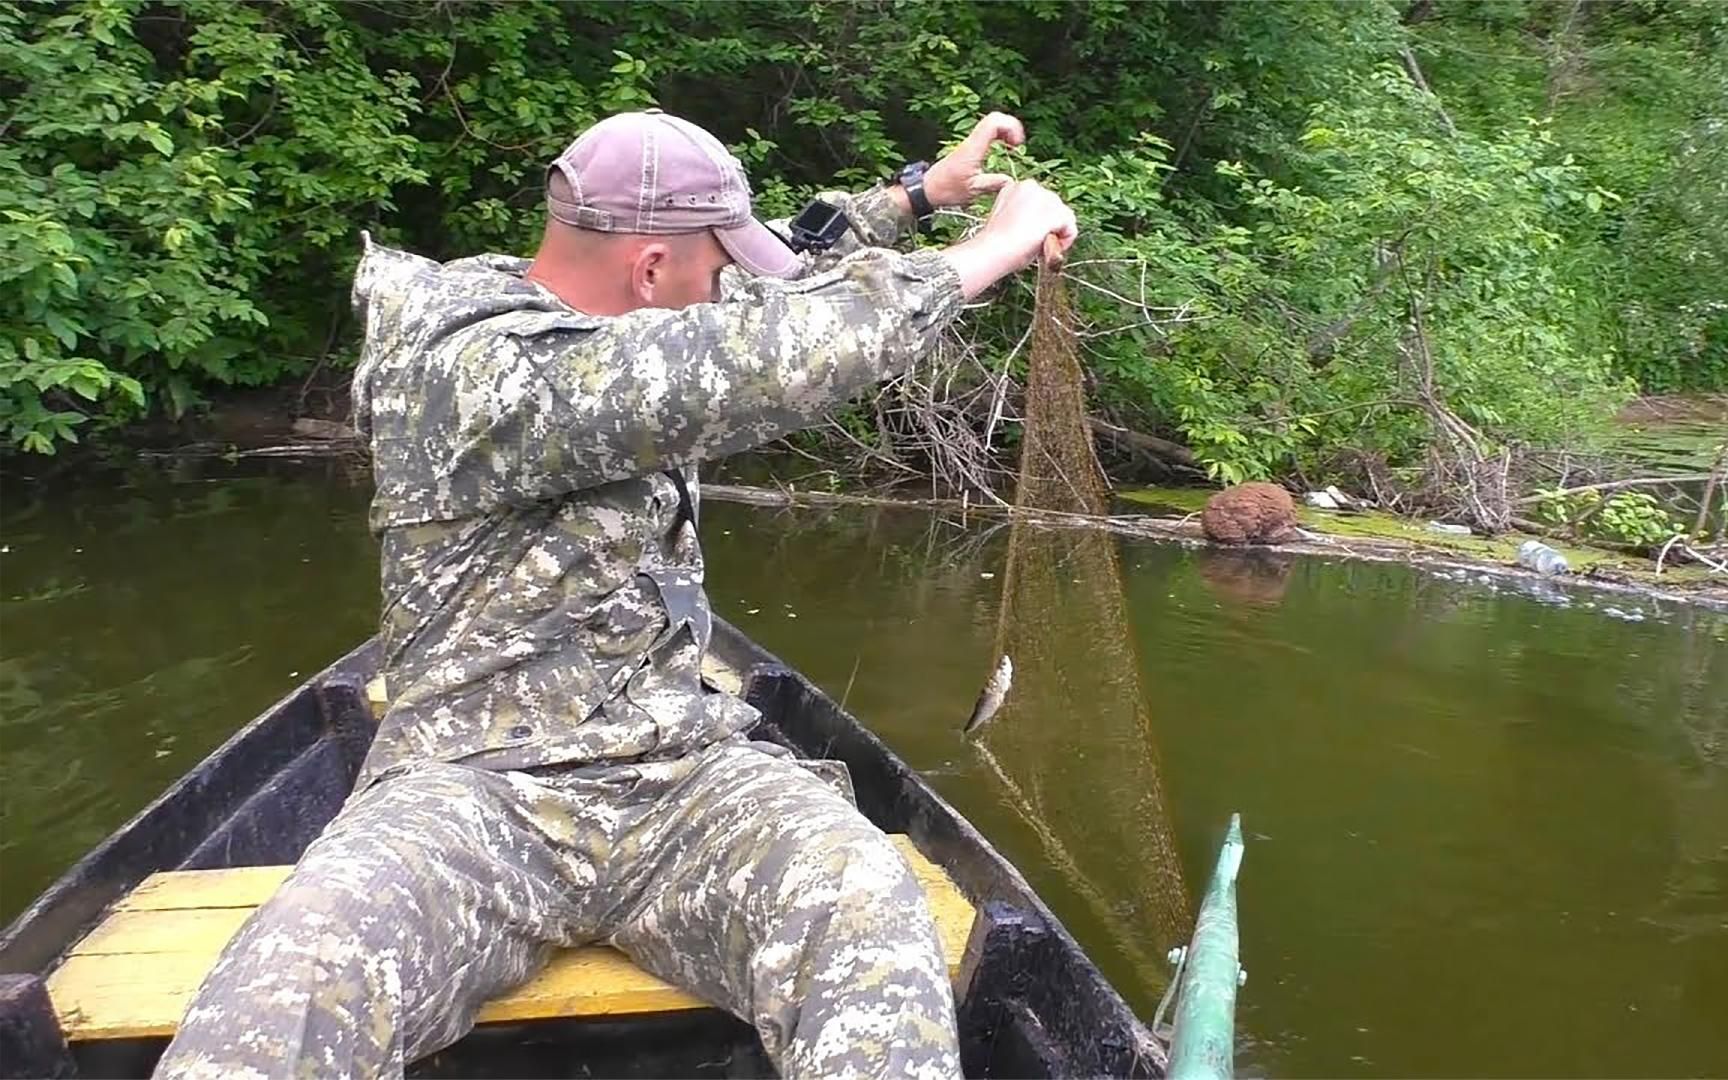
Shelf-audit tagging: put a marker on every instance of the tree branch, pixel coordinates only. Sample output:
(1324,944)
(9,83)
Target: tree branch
(1163,449)
(1200,112)
(1321,343)
(1561,58)
(1616,485)
(1716,475)
(1414,70)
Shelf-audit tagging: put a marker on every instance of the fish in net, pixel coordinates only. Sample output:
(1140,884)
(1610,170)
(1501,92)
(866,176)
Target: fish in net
(1073,746)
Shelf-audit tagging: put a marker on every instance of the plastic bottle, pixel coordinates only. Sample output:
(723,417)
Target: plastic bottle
(1537,556)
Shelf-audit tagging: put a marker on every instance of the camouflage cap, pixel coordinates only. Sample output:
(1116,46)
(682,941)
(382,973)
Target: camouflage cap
(650,172)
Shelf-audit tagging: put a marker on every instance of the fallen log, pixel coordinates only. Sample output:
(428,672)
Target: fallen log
(1186,531)
(1170,453)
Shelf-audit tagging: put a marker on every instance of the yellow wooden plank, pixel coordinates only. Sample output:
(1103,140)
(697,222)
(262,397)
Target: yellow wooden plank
(721,676)
(949,907)
(194,910)
(117,997)
(594,981)
(202,932)
(112,996)
(134,974)
(243,886)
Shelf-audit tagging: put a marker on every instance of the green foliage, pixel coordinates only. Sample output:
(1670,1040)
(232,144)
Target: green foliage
(1634,518)
(182,185)
(169,225)
(1393,226)
(1638,92)
(1294,338)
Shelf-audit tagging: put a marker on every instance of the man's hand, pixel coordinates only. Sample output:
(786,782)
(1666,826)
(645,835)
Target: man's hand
(1013,236)
(960,177)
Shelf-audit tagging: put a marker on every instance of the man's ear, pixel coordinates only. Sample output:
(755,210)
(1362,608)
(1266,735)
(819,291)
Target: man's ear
(648,270)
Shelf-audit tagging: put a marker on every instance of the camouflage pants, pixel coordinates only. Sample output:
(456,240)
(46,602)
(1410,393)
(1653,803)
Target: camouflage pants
(733,873)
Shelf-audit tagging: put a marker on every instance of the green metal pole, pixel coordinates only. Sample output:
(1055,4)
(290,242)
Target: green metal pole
(1203,1044)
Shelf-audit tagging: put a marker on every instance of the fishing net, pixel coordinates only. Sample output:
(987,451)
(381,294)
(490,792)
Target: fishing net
(1073,745)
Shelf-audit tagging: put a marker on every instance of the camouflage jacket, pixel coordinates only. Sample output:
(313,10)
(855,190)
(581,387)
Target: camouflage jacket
(542,592)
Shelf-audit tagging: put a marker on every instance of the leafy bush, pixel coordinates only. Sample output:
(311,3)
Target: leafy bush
(170,200)
(181,186)
(1638,93)
(1634,518)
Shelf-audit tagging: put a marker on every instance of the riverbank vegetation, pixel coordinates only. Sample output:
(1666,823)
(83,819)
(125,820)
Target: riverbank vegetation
(1424,249)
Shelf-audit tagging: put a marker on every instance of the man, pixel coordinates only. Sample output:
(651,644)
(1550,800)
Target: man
(550,770)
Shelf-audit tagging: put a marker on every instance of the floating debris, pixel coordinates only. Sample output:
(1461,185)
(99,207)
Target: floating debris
(1331,498)
(1537,556)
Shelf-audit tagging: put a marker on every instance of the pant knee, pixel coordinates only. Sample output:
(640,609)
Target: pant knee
(857,903)
(871,873)
(869,994)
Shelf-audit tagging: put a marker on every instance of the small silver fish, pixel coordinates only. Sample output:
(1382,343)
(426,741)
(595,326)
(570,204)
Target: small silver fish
(995,690)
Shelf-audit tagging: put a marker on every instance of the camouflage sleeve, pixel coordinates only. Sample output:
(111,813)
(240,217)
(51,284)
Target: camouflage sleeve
(564,402)
(877,221)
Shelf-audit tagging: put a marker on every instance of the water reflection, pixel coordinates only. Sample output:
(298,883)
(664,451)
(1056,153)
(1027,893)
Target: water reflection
(1490,835)
(146,614)
(1252,577)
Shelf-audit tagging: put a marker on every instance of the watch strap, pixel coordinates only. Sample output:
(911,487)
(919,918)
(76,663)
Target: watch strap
(912,181)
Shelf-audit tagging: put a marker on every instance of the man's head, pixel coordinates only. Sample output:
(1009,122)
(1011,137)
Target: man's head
(645,210)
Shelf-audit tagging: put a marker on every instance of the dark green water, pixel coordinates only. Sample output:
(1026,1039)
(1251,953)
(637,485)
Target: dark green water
(1488,836)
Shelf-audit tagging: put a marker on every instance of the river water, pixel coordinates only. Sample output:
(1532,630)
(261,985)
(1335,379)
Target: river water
(1487,834)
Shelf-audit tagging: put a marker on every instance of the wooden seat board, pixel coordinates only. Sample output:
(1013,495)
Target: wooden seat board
(242,886)
(135,973)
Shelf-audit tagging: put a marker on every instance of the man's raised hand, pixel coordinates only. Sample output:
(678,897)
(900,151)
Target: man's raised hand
(959,177)
(1013,236)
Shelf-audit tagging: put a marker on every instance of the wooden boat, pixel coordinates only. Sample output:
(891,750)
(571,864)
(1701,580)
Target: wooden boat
(1029,1001)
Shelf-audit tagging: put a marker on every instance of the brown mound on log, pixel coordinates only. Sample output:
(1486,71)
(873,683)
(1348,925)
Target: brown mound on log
(1254,513)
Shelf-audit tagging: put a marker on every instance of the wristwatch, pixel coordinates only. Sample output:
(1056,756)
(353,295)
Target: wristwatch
(911,178)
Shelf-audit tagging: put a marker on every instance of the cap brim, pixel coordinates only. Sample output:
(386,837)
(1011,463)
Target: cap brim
(757,249)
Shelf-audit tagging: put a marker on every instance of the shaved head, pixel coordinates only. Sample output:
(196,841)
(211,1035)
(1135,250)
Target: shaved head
(607,273)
